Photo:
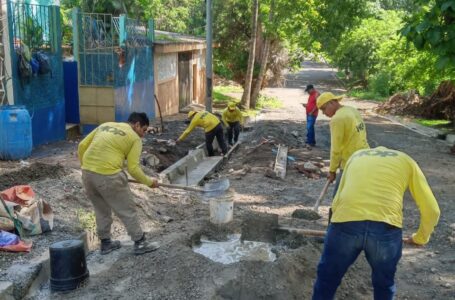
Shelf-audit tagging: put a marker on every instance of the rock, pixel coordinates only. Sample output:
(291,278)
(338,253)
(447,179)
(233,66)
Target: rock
(309,166)
(151,160)
(271,174)
(162,150)
(295,133)
(452,226)
(450,138)
(446,285)
(433,270)
(167,219)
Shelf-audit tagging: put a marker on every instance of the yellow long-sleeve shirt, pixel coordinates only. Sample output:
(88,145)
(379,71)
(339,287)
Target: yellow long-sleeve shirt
(105,149)
(372,189)
(202,119)
(232,116)
(348,134)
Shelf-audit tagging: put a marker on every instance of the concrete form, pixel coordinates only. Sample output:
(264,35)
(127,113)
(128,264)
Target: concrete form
(191,169)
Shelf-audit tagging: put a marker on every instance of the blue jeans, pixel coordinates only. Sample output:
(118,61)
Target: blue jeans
(310,135)
(382,244)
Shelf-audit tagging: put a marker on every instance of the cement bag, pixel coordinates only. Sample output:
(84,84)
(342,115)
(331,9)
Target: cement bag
(6,224)
(35,215)
(36,218)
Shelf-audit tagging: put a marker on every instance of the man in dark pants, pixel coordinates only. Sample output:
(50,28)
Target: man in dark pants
(368,216)
(212,127)
(232,118)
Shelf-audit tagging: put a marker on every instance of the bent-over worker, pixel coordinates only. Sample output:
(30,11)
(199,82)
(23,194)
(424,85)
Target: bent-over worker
(212,128)
(368,216)
(347,133)
(232,118)
(102,154)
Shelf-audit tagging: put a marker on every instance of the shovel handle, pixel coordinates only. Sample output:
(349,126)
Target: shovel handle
(173,186)
(323,192)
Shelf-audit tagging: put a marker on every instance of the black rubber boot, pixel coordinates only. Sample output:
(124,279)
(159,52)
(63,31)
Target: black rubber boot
(107,246)
(143,246)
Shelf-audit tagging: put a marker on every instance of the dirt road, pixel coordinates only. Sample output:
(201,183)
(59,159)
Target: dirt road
(176,272)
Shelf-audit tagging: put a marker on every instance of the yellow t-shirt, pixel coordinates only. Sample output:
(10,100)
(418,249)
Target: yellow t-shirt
(105,149)
(372,189)
(202,119)
(348,134)
(232,116)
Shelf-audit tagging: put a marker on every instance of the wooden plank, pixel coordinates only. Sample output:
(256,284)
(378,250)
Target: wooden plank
(281,161)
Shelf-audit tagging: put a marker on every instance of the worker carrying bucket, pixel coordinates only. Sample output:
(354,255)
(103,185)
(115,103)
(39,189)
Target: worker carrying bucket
(212,127)
(102,154)
(368,216)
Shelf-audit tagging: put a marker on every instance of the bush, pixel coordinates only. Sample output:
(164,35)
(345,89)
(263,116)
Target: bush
(380,84)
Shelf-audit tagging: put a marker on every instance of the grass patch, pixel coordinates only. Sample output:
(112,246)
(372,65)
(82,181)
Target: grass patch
(366,95)
(219,93)
(86,219)
(268,102)
(433,123)
(228,89)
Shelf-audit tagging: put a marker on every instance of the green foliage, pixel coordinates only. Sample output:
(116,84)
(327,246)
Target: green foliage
(357,49)
(434,123)
(366,94)
(432,27)
(33,34)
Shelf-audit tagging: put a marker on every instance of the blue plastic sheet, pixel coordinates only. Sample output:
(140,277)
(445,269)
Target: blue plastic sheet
(7,238)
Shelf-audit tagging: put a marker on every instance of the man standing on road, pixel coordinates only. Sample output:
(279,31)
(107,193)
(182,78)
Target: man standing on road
(212,127)
(347,133)
(232,118)
(368,216)
(102,154)
(311,114)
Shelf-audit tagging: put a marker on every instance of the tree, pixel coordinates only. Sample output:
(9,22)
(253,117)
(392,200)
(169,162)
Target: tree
(249,73)
(432,27)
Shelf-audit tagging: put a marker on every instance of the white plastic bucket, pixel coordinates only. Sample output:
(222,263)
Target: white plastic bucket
(221,210)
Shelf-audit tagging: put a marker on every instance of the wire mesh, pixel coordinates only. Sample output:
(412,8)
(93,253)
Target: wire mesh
(32,25)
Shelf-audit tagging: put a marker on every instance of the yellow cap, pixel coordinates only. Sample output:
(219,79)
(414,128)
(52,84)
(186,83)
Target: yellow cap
(191,114)
(326,97)
(232,105)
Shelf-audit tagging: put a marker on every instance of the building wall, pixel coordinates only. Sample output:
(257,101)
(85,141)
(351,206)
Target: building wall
(167,90)
(96,104)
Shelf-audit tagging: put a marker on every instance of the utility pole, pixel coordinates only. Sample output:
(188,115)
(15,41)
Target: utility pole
(208,56)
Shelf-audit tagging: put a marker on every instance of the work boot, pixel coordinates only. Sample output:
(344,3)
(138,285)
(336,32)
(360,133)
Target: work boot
(107,246)
(143,246)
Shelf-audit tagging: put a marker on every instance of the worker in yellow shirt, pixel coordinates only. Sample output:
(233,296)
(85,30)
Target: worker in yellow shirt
(232,118)
(347,133)
(102,154)
(368,216)
(212,128)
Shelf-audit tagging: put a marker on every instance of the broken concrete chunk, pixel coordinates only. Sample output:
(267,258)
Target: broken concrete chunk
(162,150)
(151,160)
(295,133)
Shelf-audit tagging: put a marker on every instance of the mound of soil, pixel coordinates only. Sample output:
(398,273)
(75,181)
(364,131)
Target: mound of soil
(34,172)
(440,105)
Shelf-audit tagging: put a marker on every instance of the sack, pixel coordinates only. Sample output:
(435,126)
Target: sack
(44,63)
(34,216)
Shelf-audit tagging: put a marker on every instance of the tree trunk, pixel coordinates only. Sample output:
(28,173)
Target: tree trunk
(264,62)
(249,71)
(262,70)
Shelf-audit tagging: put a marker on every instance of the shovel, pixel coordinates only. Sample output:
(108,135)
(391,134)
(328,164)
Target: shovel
(312,214)
(215,187)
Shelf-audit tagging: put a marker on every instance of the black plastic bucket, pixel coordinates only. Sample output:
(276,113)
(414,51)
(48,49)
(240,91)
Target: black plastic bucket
(68,265)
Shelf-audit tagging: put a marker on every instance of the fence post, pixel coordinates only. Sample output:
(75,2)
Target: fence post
(75,16)
(123,34)
(151,30)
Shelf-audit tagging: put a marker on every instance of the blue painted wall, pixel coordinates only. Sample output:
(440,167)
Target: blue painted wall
(71,90)
(43,97)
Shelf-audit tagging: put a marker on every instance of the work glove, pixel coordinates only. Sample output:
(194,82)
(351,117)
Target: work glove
(154,184)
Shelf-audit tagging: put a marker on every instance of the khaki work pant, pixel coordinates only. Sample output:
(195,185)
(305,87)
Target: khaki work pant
(111,193)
